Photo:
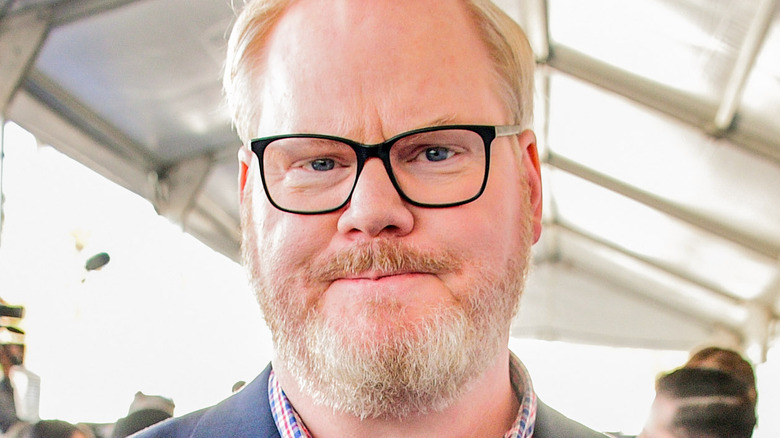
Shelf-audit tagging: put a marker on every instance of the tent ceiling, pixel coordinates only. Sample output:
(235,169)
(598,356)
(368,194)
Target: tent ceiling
(657,122)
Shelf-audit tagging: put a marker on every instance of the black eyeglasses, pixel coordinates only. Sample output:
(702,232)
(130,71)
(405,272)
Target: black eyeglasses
(437,167)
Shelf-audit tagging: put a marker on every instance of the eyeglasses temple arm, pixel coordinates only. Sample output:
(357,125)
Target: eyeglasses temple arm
(505,130)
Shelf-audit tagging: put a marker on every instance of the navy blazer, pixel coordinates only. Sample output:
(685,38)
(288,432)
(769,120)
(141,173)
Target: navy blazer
(247,414)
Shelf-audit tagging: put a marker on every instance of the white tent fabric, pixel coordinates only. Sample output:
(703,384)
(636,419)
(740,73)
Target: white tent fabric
(657,121)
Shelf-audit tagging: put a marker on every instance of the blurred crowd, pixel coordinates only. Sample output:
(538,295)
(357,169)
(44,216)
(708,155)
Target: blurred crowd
(145,410)
(20,395)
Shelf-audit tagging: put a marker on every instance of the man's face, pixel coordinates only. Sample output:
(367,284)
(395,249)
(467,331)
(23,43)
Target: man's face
(398,304)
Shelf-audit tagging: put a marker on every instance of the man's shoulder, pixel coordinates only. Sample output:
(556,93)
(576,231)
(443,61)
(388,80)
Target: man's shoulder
(552,424)
(180,427)
(246,413)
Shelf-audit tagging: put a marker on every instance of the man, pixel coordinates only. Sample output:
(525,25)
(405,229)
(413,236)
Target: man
(700,403)
(388,261)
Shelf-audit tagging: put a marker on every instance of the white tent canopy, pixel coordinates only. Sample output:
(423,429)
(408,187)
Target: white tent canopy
(657,121)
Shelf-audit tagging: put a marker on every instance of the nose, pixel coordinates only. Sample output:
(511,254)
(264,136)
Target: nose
(375,207)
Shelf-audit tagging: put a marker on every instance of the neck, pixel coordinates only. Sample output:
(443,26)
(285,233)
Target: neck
(487,409)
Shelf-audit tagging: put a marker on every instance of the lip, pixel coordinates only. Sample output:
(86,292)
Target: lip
(379,276)
(404,288)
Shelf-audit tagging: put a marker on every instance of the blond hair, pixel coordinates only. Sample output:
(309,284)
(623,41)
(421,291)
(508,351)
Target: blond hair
(506,42)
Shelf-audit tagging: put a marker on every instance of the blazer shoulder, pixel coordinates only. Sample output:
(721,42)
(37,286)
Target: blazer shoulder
(552,424)
(179,427)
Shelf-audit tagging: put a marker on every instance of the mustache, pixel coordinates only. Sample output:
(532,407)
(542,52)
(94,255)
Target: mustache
(385,257)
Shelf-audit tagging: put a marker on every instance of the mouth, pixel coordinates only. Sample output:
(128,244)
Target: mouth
(379,276)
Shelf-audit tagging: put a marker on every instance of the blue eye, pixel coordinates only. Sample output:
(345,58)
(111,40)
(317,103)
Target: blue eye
(322,164)
(438,153)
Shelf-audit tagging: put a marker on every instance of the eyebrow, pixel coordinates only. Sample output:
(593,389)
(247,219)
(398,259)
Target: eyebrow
(441,121)
(340,126)
(447,119)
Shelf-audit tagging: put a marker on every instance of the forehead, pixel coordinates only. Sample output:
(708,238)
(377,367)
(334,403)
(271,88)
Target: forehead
(364,68)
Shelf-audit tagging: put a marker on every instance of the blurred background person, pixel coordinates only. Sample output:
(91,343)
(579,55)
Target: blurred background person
(52,429)
(145,410)
(19,387)
(729,361)
(700,403)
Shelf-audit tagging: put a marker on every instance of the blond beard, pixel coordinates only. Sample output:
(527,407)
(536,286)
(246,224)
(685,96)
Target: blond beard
(415,368)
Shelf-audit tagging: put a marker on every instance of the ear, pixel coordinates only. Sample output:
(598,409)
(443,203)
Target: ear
(533,173)
(245,157)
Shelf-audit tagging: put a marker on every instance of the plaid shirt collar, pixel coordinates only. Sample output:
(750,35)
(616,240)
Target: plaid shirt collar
(290,424)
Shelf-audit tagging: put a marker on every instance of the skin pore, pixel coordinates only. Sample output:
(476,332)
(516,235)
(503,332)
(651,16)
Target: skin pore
(437,298)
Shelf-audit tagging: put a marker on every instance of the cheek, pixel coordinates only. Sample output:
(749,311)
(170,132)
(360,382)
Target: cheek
(274,236)
(496,226)
(287,243)
(481,237)
(278,249)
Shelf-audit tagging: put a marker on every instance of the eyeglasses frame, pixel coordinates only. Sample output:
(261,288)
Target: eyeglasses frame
(363,152)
